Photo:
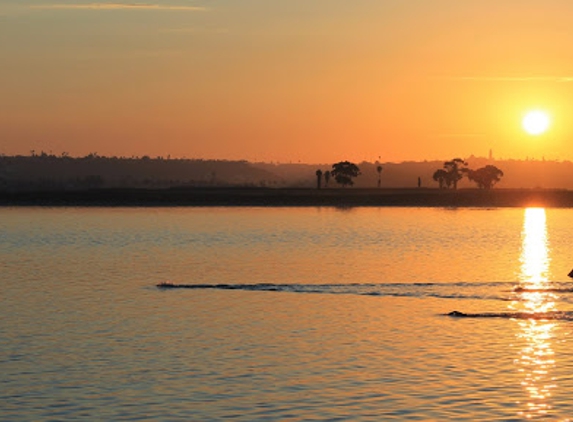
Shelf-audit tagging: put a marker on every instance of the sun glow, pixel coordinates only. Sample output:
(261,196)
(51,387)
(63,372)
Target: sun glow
(536,122)
(535,253)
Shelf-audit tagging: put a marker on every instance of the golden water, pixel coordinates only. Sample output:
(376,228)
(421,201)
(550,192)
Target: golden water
(349,324)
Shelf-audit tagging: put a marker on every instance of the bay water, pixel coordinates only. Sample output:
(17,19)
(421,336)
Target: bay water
(285,314)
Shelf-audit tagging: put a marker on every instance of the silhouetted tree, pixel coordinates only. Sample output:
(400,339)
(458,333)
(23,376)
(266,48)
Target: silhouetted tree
(91,155)
(379,170)
(326,178)
(318,178)
(485,177)
(344,171)
(441,176)
(455,171)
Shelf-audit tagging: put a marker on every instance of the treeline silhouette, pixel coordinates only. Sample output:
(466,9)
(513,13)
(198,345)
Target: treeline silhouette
(45,171)
(344,173)
(455,170)
(51,172)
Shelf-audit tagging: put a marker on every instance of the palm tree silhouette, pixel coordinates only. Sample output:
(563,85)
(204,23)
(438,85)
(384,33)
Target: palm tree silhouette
(326,178)
(318,178)
(379,170)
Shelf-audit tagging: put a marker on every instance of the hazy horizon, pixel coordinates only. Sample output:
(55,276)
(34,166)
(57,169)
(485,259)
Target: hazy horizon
(143,155)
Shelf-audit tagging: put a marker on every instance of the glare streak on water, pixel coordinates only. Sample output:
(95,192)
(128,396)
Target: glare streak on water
(537,358)
(286,314)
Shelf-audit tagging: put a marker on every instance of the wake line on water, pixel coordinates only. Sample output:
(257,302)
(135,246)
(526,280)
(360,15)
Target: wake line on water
(542,316)
(543,290)
(459,290)
(494,291)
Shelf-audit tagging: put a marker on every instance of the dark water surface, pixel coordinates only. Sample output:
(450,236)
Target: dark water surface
(286,314)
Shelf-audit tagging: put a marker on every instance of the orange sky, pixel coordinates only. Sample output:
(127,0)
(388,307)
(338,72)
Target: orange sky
(296,80)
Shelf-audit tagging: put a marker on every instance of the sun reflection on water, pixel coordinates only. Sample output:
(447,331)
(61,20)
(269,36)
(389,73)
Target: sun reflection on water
(536,359)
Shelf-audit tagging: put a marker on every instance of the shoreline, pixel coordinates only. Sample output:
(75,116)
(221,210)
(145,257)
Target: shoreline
(293,197)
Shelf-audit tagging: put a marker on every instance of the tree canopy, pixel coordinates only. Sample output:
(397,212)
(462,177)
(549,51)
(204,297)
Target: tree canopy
(441,176)
(485,177)
(344,171)
(454,170)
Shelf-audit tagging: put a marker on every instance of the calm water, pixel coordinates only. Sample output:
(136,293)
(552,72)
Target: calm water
(292,314)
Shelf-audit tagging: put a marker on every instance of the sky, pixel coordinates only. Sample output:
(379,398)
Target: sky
(313,81)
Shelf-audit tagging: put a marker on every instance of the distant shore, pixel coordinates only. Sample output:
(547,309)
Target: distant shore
(260,197)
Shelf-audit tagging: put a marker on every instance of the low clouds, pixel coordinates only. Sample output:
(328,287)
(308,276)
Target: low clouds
(116,6)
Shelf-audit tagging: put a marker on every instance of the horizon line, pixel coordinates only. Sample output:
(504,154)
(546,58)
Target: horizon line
(169,157)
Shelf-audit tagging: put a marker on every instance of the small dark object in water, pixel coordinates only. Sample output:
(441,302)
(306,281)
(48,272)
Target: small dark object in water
(457,313)
(570,274)
(166,285)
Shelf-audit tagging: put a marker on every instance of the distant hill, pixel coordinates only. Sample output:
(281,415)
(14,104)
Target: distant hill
(50,172)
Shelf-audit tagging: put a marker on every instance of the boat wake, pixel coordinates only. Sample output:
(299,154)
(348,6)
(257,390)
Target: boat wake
(495,291)
(542,316)
(543,290)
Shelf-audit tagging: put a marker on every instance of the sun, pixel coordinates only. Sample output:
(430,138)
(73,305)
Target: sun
(536,122)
